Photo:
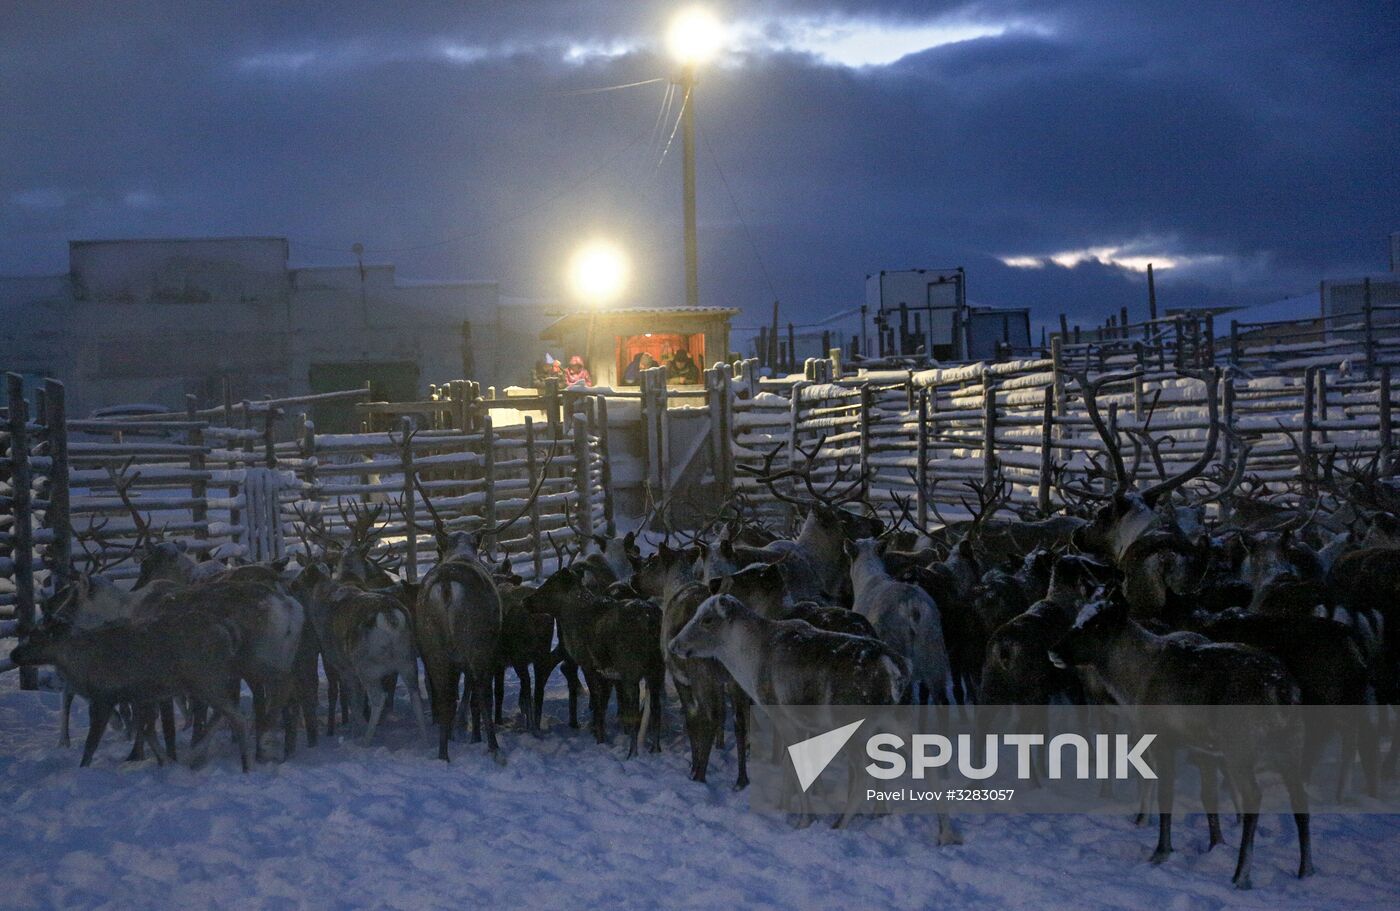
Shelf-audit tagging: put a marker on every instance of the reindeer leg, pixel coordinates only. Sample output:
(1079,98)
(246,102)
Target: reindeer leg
(376,709)
(570,671)
(415,698)
(478,708)
(697,729)
(740,703)
(63,739)
(656,696)
(1298,797)
(1166,786)
(1368,745)
(1249,791)
(332,696)
(522,673)
(1210,799)
(141,720)
(167,725)
(99,713)
(498,694)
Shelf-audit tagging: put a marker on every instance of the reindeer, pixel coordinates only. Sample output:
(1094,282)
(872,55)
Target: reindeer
(761,587)
(791,662)
(189,654)
(458,626)
(1017,670)
(701,683)
(905,618)
(814,565)
(1185,678)
(365,638)
(614,643)
(1161,565)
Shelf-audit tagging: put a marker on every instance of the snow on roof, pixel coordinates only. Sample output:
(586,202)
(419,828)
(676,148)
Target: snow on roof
(569,320)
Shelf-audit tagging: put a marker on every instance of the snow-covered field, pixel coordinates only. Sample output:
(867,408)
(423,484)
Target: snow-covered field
(565,823)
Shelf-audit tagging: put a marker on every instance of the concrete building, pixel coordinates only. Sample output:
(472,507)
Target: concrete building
(153,320)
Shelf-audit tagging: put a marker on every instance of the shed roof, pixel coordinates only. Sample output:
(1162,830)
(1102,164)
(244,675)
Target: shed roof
(580,319)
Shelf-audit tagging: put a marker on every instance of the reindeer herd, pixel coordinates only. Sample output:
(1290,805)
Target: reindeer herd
(1131,595)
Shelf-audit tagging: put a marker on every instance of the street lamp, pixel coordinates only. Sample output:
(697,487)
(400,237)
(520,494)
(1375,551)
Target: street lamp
(598,272)
(694,37)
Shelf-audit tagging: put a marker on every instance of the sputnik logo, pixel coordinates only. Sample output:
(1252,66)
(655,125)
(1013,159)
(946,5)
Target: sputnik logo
(810,757)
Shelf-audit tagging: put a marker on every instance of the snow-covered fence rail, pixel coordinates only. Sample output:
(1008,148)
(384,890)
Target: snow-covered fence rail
(923,439)
(78,494)
(525,486)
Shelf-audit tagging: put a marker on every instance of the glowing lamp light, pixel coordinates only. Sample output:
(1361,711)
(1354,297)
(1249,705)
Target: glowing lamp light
(598,272)
(694,37)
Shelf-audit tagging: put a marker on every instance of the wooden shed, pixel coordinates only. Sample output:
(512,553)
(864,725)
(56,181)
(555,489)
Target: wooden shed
(615,344)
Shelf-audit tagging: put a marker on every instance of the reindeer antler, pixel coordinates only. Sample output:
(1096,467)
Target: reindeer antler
(770,478)
(360,519)
(122,482)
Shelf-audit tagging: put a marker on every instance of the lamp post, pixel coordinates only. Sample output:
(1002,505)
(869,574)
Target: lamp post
(693,38)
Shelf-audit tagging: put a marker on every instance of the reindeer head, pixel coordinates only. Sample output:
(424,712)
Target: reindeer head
(667,562)
(362,520)
(1126,513)
(562,589)
(41,645)
(704,636)
(760,586)
(1095,630)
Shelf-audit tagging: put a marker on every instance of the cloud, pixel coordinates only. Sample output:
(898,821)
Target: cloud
(1252,146)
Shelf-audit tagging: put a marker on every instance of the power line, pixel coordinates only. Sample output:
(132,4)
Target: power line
(753,244)
(685,100)
(606,88)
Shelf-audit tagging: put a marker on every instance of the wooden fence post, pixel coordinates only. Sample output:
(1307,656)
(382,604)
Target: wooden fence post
(1368,327)
(1320,376)
(410,506)
(1384,412)
(1235,351)
(605,465)
(1057,354)
(921,467)
(1047,426)
(719,448)
(1306,469)
(199,487)
(581,480)
(58,516)
(867,406)
(488,473)
(270,437)
(536,545)
(989,428)
(22,527)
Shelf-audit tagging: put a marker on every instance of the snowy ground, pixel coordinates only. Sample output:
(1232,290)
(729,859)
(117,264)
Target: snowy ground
(566,823)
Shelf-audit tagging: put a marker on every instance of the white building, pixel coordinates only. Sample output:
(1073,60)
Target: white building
(153,320)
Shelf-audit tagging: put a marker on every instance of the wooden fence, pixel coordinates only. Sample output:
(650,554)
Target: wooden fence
(921,436)
(240,480)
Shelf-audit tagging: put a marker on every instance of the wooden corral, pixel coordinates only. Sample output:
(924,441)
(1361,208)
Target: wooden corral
(244,481)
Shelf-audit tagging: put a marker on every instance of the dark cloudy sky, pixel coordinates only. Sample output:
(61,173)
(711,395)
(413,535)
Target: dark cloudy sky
(1254,145)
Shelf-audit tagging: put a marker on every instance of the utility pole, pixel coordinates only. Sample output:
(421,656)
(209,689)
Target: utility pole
(692,267)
